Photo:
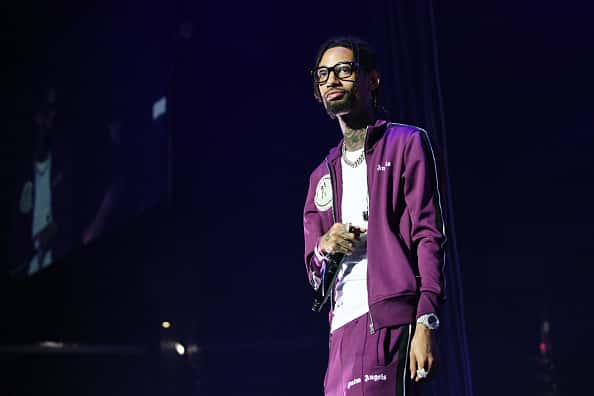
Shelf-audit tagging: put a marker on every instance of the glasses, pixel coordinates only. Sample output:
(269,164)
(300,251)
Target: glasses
(342,71)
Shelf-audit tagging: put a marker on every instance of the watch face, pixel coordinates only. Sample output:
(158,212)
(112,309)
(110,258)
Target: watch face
(429,320)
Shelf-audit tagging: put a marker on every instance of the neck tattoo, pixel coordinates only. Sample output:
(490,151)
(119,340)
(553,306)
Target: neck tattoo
(354,139)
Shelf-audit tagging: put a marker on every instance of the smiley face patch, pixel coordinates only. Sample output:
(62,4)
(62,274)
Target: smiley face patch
(323,198)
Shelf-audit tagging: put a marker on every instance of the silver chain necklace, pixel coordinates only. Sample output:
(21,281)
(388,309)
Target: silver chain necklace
(355,163)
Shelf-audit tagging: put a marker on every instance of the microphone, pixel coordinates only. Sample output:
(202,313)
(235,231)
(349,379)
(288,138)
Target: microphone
(334,260)
(328,280)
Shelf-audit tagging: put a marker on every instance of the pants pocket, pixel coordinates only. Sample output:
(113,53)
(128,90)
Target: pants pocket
(388,344)
(390,373)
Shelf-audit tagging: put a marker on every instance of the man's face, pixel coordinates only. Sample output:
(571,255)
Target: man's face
(46,115)
(346,96)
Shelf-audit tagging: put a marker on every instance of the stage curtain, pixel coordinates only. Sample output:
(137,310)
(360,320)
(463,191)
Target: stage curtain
(406,36)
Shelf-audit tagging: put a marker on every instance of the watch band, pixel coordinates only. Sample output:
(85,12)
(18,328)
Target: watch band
(431,321)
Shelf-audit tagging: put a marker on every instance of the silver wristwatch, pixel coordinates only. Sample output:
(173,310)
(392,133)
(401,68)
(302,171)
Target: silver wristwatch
(431,321)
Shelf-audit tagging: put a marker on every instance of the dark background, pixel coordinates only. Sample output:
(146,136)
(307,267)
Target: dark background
(517,81)
(222,259)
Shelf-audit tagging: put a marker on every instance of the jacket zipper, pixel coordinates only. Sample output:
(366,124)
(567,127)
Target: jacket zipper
(333,195)
(371,325)
(333,215)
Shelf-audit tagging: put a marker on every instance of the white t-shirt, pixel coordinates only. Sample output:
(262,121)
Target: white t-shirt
(42,210)
(351,285)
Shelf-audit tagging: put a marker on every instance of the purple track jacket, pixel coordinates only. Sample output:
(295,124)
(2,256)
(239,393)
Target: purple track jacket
(406,234)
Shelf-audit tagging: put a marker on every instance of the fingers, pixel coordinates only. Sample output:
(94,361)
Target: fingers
(413,365)
(339,240)
(417,367)
(344,243)
(431,365)
(338,228)
(342,246)
(347,236)
(421,365)
(334,244)
(425,365)
(421,372)
(342,231)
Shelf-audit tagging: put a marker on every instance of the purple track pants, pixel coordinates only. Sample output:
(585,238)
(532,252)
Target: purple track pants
(364,364)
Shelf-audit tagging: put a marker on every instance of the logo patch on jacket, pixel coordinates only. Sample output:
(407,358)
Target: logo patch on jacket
(323,199)
(383,167)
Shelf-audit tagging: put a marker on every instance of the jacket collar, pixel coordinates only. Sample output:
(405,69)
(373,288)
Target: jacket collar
(375,132)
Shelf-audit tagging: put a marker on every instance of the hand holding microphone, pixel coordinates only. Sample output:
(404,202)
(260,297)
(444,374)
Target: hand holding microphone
(340,238)
(336,243)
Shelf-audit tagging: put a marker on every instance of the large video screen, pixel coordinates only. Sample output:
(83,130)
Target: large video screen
(93,131)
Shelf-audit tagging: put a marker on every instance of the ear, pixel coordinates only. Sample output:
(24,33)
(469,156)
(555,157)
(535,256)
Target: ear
(374,80)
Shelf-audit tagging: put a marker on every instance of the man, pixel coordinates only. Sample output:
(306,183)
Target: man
(375,199)
(42,228)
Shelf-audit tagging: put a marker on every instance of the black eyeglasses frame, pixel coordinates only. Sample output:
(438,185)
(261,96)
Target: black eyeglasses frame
(353,65)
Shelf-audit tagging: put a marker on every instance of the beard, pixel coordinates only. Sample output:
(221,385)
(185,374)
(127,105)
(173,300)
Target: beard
(341,106)
(346,105)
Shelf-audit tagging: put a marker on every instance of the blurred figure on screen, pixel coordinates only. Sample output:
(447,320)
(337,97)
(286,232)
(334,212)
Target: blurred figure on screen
(41,225)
